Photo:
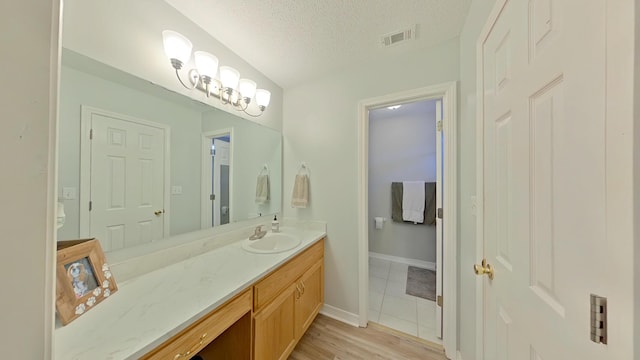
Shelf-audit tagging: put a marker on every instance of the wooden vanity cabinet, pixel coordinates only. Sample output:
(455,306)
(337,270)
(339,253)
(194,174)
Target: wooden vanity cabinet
(228,327)
(265,322)
(281,321)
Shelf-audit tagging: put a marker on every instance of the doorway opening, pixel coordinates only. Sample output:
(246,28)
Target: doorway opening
(447,93)
(216,178)
(405,158)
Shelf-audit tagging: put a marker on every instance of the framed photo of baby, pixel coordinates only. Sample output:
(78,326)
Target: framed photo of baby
(83,278)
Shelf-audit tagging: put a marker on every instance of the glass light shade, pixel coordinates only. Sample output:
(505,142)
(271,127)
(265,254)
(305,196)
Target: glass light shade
(176,46)
(263,97)
(206,63)
(229,77)
(247,88)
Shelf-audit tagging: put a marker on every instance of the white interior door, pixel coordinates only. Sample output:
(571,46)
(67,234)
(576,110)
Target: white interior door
(542,177)
(439,228)
(127,182)
(220,159)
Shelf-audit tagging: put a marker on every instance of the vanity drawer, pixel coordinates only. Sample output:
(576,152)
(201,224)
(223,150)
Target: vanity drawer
(272,285)
(193,339)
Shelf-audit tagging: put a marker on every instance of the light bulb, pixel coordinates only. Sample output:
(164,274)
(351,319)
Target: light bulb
(176,46)
(229,77)
(206,64)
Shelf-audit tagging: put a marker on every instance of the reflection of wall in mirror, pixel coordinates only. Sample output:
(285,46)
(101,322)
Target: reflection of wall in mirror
(186,121)
(254,146)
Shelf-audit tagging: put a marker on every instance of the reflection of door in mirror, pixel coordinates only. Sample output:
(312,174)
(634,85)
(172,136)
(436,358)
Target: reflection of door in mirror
(125,179)
(216,178)
(221,151)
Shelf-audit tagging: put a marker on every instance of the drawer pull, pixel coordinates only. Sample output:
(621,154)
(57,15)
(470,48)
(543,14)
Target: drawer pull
(178,356)
(302,283)
(298,291)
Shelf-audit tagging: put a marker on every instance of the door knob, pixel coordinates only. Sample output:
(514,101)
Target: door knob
(157,213)
(484,269)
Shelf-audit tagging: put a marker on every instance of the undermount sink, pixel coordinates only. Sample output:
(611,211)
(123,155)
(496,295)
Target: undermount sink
(271,243)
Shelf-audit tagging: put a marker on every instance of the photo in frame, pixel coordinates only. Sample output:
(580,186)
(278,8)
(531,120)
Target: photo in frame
(83,278)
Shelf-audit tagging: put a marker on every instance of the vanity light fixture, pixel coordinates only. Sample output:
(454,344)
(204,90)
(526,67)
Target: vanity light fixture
(393,107)
(228,87)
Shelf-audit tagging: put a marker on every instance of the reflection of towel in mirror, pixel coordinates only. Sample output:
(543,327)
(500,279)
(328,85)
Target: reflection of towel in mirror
(413,201)
(262,189)
(300,196)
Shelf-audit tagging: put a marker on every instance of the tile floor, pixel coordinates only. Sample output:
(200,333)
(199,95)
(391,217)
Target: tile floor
(390,306)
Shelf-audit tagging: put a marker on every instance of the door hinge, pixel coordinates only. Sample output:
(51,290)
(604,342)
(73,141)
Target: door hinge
(598,319)
(90,205)
(91,134)
(439,213)
(439,125)
(439,300)
(212,197)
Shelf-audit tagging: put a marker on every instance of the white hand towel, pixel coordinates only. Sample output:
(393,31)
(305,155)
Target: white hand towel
(300,196)
(413,201)
(262,189)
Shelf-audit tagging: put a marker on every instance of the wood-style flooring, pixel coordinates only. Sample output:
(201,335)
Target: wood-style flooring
(329,339)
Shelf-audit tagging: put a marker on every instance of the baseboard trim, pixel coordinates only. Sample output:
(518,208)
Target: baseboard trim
(458,356)
(413,262)
(340,315)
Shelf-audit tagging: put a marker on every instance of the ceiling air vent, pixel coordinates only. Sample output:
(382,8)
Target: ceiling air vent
(397,37)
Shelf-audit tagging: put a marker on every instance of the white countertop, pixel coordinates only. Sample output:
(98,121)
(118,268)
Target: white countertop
(149,309)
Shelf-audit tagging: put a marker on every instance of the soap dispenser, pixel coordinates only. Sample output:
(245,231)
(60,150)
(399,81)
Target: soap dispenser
(275,224)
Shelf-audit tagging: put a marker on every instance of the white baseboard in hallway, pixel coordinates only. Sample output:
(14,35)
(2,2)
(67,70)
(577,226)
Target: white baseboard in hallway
(413,262)
(340,315)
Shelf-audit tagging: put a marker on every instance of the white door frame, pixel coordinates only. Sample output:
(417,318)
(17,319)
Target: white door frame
(448,93)
(205,180)
(85,165)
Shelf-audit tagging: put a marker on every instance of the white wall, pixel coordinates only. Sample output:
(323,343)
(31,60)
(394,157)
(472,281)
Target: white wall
(319,127)
(478,13)
(27,133)
(128,36)
(402,147)
(79,88)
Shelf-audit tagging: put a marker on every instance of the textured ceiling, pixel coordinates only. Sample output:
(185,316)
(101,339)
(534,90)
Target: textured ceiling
(293,41)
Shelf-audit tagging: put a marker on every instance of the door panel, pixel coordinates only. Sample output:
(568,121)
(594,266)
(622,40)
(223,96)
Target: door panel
(127,182)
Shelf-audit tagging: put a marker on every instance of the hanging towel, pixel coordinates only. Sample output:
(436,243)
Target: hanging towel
(300,195)
(262,189)
(430,203)
(413,201)
(429,197)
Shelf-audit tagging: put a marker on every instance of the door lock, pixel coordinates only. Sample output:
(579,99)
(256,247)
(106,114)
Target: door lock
(157,213)
(484,269)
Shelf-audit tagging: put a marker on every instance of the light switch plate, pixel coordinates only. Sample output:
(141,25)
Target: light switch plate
(68,193)
(176,190)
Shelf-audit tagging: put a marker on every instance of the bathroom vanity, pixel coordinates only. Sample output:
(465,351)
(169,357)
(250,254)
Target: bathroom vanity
(227,303)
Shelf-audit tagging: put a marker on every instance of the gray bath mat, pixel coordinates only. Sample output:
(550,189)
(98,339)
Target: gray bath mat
(421,283)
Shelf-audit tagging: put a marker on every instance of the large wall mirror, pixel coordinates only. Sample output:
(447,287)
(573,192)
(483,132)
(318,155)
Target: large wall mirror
(139,163)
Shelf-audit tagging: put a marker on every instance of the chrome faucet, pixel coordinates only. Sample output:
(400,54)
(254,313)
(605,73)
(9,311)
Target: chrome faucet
(258,233)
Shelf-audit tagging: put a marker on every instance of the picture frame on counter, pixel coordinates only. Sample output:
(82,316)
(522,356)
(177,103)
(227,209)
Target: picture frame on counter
(83,278)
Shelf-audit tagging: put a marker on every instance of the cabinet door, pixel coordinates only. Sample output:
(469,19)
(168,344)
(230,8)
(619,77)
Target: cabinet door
(274,332)
(310,301)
